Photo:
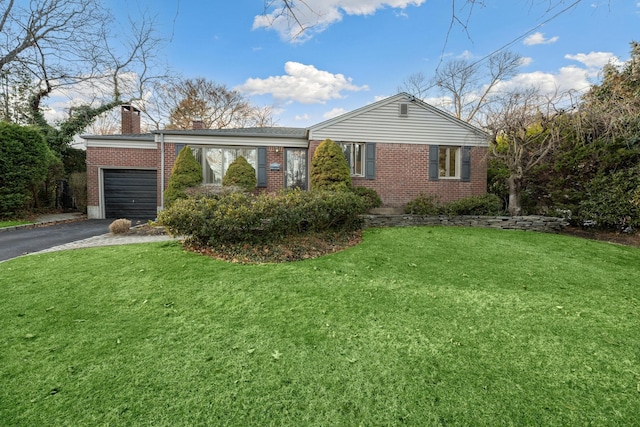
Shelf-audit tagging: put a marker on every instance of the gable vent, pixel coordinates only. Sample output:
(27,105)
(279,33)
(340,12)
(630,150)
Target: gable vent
(404,109)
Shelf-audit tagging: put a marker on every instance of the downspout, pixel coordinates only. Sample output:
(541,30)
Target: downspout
(161,170)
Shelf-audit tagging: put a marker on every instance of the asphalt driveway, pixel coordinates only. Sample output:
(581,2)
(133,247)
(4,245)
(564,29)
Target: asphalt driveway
(21,241)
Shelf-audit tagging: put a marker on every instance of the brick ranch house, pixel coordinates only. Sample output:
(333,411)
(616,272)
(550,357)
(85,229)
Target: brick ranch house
(398,146)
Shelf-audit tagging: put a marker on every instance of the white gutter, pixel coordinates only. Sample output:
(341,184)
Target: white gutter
(162,170)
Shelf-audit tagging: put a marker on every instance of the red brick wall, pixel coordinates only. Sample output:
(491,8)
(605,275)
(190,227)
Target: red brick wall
(402,173)
(275,179)
(124,158)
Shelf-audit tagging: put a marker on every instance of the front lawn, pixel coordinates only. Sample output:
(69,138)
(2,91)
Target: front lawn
(414,326)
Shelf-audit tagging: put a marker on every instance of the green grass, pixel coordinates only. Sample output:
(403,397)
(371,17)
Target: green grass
(12,223)
(415,326)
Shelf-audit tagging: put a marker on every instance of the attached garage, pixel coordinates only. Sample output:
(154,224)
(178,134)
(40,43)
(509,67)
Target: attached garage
(130,193)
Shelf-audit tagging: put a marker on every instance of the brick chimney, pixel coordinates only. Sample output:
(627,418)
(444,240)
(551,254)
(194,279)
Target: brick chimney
(130,120)
(197,124)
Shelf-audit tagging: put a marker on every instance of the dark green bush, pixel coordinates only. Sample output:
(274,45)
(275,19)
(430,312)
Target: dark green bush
(186,172)
(210,191)
(240,174)
(241,217)
(487,204)
(78,185)
(329,168)
(370,197)
(24,161)
(610,202)
(423,205)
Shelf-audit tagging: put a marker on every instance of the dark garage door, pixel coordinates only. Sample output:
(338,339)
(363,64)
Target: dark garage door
(130,193)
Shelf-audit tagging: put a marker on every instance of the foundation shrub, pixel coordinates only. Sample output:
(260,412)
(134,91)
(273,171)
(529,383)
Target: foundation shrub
(329,168)
(240,174)
(487,204)
(244,218)
(370,197)
(120,226)
(210,191)
(423,205)
(186,172)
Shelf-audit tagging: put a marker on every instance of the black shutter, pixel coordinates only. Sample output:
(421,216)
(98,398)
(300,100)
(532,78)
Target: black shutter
(179,148)
(370,160)
(262,166)
(434,173)
(465,173)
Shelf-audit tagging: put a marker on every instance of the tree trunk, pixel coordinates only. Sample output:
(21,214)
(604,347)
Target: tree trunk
(515,195)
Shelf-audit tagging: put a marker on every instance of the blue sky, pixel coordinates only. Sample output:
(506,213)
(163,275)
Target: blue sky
(361,50)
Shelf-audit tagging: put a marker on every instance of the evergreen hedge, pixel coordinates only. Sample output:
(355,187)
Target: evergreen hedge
(245,218)
(329,168)
(24,162)
(240,174)
(186,172)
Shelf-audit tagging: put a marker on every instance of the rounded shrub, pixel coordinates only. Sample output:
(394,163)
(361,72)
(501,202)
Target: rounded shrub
(240,174)
(329,168)
(186,172)
(423,205)
(120,226)
(487,204)
(370,197)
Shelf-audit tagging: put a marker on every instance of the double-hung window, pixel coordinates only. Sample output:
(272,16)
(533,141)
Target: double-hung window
(355,154)
(449,162)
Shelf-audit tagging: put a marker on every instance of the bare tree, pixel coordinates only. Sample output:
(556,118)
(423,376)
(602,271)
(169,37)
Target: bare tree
(215,105)
(465,88)
(524,129)
(300,15)
(64,44)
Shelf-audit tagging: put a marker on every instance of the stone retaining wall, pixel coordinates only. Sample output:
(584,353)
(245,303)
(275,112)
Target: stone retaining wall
(533,223)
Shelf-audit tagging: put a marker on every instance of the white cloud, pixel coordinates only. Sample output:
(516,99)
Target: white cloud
(526,60)
(538,38)
(335,112)
(302,83)
(467,55)
(316,15)
(301,118)
(595,59)
(566,79)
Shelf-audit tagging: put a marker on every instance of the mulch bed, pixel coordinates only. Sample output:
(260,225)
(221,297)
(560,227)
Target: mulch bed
(294,248)
(627,239)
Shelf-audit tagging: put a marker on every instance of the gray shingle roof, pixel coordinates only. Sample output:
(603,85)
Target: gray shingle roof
(279,132)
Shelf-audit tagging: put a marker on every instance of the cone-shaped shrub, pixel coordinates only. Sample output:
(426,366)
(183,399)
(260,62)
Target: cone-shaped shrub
(240,174)
(186,173)
(329,168)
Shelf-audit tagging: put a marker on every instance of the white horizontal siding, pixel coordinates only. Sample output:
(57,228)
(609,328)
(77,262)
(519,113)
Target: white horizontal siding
(384,125)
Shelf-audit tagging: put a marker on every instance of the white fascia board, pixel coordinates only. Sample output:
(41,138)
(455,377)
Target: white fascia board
(242,141)
(104,143)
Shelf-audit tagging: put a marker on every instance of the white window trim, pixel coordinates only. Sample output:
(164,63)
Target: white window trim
(458,171)
(363,158)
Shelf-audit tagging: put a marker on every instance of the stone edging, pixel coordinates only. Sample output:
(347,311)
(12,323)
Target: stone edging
(530,222)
